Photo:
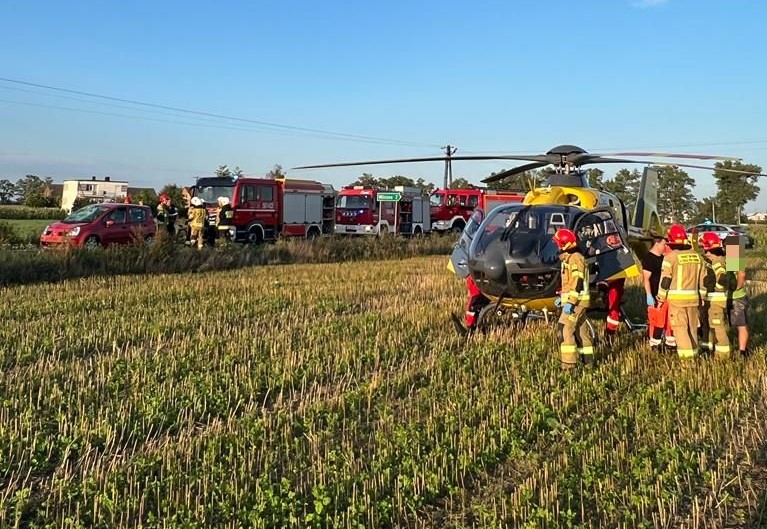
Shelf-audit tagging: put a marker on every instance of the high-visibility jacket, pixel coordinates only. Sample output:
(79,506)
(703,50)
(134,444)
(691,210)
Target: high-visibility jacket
(575,279)
(224,217)
(197,216)
(715,281)
(681,278)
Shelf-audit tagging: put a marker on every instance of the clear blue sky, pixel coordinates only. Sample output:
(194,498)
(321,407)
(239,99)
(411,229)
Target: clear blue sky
(487,76)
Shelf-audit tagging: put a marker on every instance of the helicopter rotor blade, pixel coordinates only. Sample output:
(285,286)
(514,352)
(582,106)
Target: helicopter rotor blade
(673,164)
(538,158)
(514,170)
(672,155)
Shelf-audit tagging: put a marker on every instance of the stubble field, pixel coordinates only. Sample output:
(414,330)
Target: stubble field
(338,395)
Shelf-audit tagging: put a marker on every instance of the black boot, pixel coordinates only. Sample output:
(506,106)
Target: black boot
(459,326)
(745,353)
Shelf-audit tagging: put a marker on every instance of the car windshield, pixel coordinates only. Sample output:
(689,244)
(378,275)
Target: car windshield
(354,201)
(210,194)
(86,214)
(437,199)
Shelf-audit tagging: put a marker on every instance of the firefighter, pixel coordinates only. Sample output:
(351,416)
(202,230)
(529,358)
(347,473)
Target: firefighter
(224,219)
(659,330)
(574,335)
(714,335)
(167,214)
(680,286)
(197,216)
(474,305)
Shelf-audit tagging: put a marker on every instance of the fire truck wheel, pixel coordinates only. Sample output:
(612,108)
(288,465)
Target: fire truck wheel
(313,233)
(383,231)
(417,231)
(457,228)
(254,235)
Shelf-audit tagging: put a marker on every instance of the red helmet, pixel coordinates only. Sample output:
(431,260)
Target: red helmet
(565,239)
(164,197)
(710,241)
(676,234)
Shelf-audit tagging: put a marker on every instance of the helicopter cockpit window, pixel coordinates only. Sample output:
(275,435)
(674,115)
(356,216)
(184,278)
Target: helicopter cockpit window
(599,234)
(494,225)
(556,221)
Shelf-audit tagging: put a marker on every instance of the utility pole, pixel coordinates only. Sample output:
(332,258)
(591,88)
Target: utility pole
(449,152)
(713,212)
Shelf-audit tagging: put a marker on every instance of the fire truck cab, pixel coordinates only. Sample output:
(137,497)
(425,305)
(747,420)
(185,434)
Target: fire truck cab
(266,208)
(372,211)
(451,208)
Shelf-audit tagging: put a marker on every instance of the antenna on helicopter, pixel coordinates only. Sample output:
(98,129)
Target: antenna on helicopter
(449,152)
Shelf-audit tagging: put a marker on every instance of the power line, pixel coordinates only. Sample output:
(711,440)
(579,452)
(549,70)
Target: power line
(221,116)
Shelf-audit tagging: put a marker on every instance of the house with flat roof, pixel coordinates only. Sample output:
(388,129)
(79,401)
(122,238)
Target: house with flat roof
(93,190)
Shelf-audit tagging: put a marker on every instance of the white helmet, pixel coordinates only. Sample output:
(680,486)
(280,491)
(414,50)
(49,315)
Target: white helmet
(196,201)
(223,201)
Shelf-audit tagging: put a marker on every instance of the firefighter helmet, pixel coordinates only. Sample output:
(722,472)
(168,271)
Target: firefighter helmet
(676,234)
(164,198)
(223,201)
(710,241)
(565,239)
(196,201)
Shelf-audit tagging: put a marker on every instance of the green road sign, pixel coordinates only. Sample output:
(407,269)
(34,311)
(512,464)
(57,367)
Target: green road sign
(389,197)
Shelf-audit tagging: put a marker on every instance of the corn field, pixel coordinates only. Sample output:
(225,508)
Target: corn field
(338,395)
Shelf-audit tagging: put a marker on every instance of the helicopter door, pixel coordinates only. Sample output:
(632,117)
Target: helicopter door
(603,242)
(460,256)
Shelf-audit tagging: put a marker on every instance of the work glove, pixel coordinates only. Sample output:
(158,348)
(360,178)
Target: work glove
(568,308)
(557,301)
(650,300)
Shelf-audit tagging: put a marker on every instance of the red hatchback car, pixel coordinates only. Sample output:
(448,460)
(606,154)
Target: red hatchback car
(102,225)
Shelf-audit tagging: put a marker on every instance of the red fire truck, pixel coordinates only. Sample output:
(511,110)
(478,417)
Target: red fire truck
(372,211)
(451,208)
(266,208)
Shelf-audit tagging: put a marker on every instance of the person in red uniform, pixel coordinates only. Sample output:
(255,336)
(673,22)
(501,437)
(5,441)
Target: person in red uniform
(476,303)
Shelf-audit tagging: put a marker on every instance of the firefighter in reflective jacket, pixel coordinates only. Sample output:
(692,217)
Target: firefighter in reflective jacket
(574,335)
(197,216)
(715,282)
(681,284)
(224,219)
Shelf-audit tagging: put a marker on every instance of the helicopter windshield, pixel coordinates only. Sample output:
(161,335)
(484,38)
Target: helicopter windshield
(528,230)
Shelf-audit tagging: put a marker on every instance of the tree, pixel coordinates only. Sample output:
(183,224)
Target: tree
(676,202)
(735,189)
(461,183)
(366,180)
(595,177)
(426,187)
(7,191)
(31,190)
(625,185)
(149,198)
(397,180)
(223,171)
(276,172)
(704,210)
(519,182)
(238,173)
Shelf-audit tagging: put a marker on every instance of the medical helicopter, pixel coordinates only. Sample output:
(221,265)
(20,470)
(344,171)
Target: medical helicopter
(509,252)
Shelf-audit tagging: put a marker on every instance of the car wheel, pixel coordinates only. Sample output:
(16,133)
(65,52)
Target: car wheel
(91,242)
